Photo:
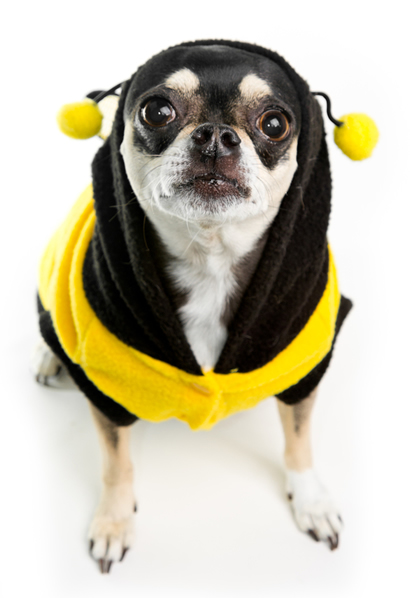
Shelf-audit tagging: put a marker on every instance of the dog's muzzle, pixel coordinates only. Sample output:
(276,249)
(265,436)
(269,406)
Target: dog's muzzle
(214,172)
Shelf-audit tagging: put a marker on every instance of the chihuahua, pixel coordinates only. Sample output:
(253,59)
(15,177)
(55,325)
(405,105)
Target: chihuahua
(210,147)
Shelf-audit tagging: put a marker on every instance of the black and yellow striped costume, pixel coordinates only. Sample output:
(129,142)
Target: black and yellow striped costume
(105,312)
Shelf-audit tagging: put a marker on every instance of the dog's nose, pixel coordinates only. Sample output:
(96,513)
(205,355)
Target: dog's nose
(213,139)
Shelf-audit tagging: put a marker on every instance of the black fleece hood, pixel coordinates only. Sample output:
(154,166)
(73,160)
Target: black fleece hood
(125,286)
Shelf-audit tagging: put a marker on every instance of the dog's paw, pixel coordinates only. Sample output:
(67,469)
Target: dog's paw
(111,531)
(314,511)
(48,369)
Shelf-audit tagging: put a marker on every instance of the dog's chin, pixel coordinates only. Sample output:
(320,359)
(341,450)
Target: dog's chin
(214,192)
(207,197)
(213,201)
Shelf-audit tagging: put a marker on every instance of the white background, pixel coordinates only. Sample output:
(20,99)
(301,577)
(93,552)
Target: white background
(213,518)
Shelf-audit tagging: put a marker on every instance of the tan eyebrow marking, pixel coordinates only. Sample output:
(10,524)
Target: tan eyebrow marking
(253,88)
(184,81)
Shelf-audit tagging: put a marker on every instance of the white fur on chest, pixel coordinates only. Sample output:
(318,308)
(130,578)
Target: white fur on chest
(203,268)
(209,286)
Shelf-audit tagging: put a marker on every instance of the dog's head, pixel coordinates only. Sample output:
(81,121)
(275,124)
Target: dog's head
(211,134)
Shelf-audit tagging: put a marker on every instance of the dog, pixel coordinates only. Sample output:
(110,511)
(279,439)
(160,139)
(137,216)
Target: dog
(211,146)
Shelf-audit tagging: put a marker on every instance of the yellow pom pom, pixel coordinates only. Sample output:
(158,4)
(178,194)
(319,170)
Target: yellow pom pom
(357,136)
(80,120)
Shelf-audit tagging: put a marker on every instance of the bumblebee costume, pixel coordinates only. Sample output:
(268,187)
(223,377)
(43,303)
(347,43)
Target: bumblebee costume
(105,313)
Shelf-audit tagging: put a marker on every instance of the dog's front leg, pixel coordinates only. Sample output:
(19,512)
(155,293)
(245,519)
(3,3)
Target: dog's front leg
(313,508)
(112,529)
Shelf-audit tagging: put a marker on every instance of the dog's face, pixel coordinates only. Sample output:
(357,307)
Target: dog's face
(211,134)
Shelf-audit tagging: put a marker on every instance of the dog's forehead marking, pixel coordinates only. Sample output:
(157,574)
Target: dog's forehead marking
(253,88)
(184,81)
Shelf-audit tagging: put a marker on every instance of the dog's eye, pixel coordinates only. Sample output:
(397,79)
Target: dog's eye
(158,112)
(274,125)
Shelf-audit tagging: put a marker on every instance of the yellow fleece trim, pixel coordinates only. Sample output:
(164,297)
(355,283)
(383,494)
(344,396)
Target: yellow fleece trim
(149,388)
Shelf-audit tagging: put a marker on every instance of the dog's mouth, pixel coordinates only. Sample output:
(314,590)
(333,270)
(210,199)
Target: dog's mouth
(215,186)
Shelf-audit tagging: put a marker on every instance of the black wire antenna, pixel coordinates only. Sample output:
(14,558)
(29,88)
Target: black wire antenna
(97,96)
(338,123)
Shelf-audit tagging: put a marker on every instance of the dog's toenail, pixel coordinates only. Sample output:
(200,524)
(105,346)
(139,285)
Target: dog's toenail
(313,535)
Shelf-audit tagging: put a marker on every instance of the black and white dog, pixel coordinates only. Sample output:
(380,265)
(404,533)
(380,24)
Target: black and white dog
(210,149)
